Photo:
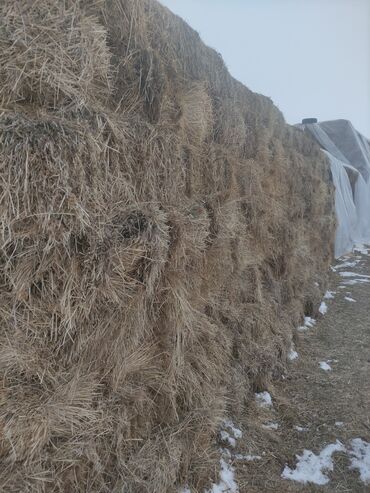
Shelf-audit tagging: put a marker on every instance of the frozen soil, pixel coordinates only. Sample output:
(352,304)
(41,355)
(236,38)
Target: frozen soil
(313,406)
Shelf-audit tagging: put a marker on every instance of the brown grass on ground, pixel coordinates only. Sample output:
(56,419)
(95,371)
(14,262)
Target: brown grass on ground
(316,400)
(162,228)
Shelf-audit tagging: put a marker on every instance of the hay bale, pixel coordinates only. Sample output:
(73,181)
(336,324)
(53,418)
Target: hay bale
(162,228)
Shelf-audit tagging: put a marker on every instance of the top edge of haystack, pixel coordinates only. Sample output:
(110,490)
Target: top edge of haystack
(64,55)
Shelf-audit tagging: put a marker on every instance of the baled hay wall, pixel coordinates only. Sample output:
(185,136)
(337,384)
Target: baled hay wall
(162,233)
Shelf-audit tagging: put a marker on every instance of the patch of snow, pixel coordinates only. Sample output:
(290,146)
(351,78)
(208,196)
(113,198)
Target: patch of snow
(323,308)
(339,424)
(235,431)
(353,274)
(231,435)
(361,458)
(310,467)
(316,284)
(350,299)
(308,324)
(225,452)
(271,426)
(360,249)
(329,295)
(302,328)
(324,366)
(226,437)
(292,355)
(263,399)
(247,457)
(300,428)
(227,483)
(352,282)
(347,264)
(185,490)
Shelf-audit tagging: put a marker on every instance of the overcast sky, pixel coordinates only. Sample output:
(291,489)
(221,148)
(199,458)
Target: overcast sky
(312,57)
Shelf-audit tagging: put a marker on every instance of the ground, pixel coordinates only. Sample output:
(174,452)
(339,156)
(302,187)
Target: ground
(329,405)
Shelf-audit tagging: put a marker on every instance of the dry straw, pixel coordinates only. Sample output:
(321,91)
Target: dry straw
(162,230)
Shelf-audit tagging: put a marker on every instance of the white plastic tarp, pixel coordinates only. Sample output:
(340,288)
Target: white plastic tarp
(345,208)
(362,202)
(349,153)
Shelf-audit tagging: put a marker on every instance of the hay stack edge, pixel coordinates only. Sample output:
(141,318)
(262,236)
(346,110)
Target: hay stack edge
(163,232)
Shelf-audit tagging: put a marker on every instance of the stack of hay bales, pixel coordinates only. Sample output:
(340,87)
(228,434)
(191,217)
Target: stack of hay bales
(162,232)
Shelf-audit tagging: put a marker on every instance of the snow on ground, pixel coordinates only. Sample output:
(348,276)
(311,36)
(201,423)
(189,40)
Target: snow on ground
(310,467)
(300,428)
(292,355)
(325,366)
(344,265)
(308,324)
(353,274)
(226,437)
(232,434)
(263,399)
(227,483)
(271,426)
(247,457)
(329,295)
(323,308)
(361,249)
(359,278)
(348,298)
(339,424)
(235,431)
(360,458)
(352,282)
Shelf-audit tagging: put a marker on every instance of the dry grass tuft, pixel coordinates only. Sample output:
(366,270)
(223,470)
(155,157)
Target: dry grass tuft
(162,229)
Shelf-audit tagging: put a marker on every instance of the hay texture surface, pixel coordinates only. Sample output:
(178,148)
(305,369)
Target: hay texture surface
(162,231)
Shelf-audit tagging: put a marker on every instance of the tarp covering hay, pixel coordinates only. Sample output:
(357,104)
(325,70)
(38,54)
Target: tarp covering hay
(163,230)
(349,155)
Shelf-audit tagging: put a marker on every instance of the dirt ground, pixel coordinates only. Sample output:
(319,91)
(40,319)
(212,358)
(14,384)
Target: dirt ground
(315,399)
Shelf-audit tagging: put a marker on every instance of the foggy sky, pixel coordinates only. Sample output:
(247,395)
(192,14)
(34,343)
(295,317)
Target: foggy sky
(312,57)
